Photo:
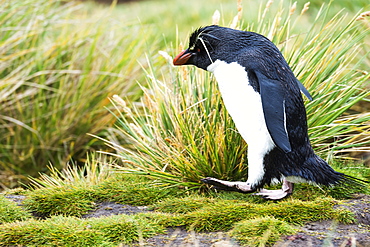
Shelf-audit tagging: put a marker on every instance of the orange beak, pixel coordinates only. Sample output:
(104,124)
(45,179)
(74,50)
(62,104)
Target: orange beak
(182,58)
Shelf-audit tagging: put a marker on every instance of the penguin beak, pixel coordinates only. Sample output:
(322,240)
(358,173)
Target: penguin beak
(183,58)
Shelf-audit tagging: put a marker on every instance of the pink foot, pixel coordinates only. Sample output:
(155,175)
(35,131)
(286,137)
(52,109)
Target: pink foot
(286,190)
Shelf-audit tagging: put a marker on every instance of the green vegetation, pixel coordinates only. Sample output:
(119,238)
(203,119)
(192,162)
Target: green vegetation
(9,211)
(261,231)
(74,199)
(220,215)
(211,212)
(71,231)
(58,66)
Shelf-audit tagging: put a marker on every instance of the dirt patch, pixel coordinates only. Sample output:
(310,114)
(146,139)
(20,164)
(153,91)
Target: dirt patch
(16,198)
(180,237)
(111,208)
(328,233)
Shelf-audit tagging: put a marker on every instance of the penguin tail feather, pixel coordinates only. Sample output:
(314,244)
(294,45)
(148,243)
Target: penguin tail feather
(346,179)
(316,170)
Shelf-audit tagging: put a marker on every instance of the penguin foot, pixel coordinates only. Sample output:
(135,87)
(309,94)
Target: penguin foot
(272,194)
(286,190)
(241,187)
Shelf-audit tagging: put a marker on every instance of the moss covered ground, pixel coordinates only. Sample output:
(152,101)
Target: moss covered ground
(54,216)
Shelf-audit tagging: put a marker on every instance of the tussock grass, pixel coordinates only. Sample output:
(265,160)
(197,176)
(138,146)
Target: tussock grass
(58,66)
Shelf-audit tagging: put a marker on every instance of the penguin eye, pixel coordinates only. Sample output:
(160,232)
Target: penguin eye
(195,49)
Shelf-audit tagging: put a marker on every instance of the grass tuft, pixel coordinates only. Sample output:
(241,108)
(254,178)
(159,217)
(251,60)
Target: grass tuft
(132,190)
(9,211)
(60,201)
(263,231)
(71,231)
(94,171)
(182,205)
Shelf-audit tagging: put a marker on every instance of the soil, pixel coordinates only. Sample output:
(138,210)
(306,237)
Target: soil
(323,233)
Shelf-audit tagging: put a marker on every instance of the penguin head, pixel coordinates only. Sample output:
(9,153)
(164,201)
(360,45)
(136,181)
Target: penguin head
(251,50)
(211,43)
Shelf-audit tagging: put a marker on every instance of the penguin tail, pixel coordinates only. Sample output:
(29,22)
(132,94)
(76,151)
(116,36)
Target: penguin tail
(317,170)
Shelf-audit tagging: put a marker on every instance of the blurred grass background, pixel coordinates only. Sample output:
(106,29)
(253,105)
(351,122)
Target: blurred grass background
(60,61)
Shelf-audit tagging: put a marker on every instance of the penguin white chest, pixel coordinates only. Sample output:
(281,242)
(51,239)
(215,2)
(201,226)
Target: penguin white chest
(243,104)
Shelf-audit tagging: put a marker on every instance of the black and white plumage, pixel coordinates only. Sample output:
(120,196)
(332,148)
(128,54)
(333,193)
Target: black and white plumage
(263,97)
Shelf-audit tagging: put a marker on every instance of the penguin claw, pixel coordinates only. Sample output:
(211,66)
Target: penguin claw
(274,195)
(218,184)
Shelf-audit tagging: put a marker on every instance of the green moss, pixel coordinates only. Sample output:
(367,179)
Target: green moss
(126,229)
(71,231)
(300,212)
(131,189)
(344,216)
(59,201)
(162,219)
(55,231)
(220,215)
(345,191)
(182,205)
(194,212)
(9,211)
(263,231)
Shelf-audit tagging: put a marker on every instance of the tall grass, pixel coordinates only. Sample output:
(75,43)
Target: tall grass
(181,132)
(58,66)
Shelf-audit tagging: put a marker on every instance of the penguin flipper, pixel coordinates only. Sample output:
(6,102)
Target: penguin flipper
(273,105)
(304,90)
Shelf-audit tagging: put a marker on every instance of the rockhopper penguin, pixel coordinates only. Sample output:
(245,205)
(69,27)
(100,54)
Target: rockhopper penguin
(262,95)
